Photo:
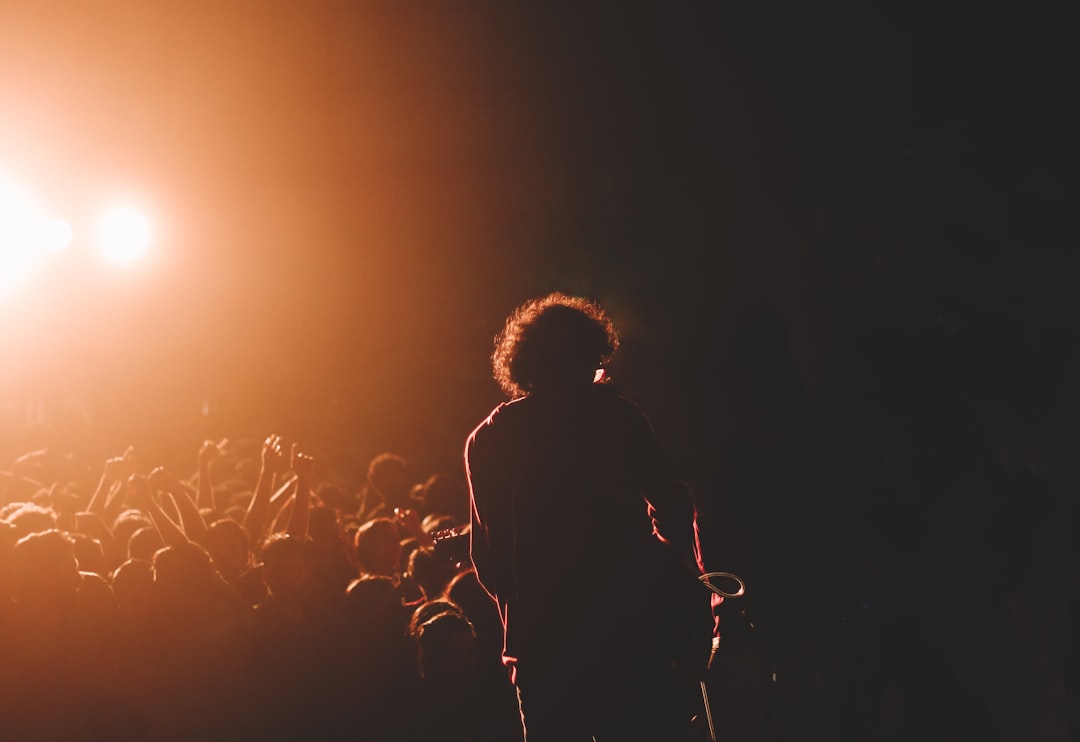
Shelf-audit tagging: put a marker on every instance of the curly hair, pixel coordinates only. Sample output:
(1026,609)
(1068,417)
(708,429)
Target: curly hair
(556,341)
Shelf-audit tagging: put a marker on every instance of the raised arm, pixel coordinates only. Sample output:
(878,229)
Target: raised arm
(117,469)
(141,497)
(208,452)
(272,462)
(303,466)
(191,519)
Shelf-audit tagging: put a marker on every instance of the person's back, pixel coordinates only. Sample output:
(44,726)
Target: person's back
(570,491)
(574,470)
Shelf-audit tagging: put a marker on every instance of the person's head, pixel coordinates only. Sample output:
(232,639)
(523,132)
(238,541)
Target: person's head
(133,585)
(125,524)
(552,342)
(93,525)
(445,495)
(287,567)
(388,474)
(45,572)
(373,602)
(30,517)
(229,547)
(378,546)
(430,570)
(465,590)
(429,609)
(90,553)
(185,578)
(447,647)
(143,543)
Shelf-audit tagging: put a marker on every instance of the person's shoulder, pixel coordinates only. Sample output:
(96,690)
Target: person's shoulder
(503,418)
(502,411)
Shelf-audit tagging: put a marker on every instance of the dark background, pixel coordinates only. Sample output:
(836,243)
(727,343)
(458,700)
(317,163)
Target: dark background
(833,235)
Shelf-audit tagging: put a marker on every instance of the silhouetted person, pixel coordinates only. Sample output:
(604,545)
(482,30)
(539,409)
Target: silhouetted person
(585,537)
(454,701)
(388,485)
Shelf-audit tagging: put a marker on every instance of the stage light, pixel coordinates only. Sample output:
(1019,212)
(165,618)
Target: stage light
(123,234)
(27,235)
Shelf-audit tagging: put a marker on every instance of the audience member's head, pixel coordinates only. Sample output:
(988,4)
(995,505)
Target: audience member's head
(446,495)
(90,554)
(29,517)
(429,609)
(125,524)
(378,546)
(447,648)
(186,582)
(144,543)
(287,567)
(431,570)
(45,572)
(229,546)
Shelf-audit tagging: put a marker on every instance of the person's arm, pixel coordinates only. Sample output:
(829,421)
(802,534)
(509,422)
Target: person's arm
(271,463)
(669,501)
(303,466)
(191,519)
(674,520)
(141,497)
(409,522)
(32,467)
(116,470)
(208,452)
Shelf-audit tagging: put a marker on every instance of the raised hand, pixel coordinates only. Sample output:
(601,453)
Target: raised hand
(272,463)
(302,464)
(123,466)
(273,455)
(115,471)
(409,522)
(164,480)
(209,451)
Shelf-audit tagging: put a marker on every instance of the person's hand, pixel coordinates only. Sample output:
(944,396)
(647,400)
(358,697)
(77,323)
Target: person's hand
(302,464)
(164,480)
(123,466)
(409,522)
(273,456)
(209,451)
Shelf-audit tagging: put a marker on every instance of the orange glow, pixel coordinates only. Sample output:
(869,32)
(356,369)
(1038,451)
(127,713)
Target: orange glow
(123,234)
(27,235)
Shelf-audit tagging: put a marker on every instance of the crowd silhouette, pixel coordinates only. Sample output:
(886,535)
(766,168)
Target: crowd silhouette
(246,599)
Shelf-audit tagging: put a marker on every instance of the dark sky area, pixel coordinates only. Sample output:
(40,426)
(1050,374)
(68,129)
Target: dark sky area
(350,196)
(833,235)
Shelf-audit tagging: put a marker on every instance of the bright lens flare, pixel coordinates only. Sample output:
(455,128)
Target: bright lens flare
(123,234)
(27,235)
